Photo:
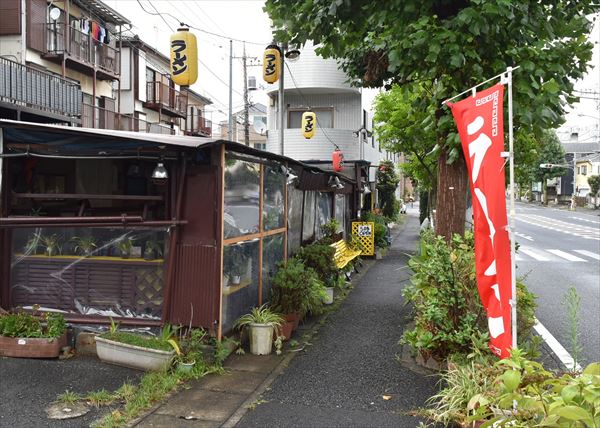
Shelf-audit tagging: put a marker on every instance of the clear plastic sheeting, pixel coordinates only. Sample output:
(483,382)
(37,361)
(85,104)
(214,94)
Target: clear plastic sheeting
(323,212)
(240,281)
(116,272)
(295,198)
(273,197)
(340,210)
(242,193)
(272,255)
(308,229)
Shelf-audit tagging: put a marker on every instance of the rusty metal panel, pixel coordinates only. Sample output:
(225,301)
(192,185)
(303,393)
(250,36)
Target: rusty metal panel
(10,17)
(36,25)
(196,287)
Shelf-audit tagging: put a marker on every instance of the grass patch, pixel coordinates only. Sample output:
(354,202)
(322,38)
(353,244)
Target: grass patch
(69,397)
(138,340)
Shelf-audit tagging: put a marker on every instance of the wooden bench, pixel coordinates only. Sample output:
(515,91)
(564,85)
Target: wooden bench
(343,253)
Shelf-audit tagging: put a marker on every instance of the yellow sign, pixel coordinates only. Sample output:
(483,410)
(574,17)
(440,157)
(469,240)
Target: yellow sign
(309,122)
(184,57)
(364,231)
(271,64)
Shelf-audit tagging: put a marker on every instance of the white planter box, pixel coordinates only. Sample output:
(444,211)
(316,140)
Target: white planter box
(132,356)
(329,299)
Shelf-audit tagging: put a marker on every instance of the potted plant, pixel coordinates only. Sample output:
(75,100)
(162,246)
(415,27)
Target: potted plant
(124,245)
(23,334)
(320,258)
(84,245)
(152,250)
(193,348)
(296,290)
(261,323)
(138,351)
(49,243)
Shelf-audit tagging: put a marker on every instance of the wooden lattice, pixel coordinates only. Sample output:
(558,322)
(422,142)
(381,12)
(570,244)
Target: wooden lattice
(364,231)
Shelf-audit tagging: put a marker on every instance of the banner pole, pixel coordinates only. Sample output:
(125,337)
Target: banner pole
(513,301)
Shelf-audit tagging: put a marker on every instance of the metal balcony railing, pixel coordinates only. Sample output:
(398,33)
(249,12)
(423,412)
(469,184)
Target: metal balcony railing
(82,47)
(100,118)
(196,123)
(40,90)
(163,95)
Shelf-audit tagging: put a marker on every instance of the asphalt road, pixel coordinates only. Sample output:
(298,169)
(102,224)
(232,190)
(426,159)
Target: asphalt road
(29,386)
(350,377)
(560,249)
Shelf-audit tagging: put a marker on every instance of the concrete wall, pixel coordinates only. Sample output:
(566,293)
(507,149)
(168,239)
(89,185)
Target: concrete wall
(10,47)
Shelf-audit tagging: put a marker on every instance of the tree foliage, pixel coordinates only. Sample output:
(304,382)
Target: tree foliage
(387,183)
(398,116)
(451,45)
(551,152)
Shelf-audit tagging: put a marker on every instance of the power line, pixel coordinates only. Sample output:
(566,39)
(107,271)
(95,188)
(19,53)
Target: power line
(196,28)
(155,14)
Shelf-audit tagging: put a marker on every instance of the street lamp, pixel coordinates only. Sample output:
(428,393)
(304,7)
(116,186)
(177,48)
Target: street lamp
(273,70)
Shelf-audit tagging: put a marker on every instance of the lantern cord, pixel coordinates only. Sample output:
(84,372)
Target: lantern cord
(157,13)
(309,106)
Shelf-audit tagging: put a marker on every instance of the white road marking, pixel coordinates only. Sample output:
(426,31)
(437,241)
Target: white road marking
(588,254)
(521,235)
(586,232)
(556,347)
(533,254)
(567,256)
(586,219)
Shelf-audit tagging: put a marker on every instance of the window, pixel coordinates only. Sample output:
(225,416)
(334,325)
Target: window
(584,170)
(578,170)
(324,118)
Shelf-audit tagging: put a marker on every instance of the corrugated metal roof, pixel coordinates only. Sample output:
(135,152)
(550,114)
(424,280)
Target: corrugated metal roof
(581,147)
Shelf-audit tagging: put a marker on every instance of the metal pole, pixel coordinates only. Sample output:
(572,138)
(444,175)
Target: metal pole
(230,120)
(513,300)
(280,99)
(246,102)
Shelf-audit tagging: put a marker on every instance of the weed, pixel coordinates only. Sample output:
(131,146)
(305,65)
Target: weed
(69,397)
(255,404)
(572,302)
(100,398)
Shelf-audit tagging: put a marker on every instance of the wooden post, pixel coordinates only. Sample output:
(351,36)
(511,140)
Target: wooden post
(221,231)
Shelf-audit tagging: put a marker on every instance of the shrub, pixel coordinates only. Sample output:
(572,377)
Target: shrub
(296,288)
(24,324)
(518,392)
(449,316)
(320,258)
(380,228)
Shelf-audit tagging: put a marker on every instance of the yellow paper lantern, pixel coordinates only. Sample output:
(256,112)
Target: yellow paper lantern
(184,57)
(309,124)
(271,64)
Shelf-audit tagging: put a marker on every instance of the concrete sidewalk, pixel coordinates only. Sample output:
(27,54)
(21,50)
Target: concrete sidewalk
(346,372)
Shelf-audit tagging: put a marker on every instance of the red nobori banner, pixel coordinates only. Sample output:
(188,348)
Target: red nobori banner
(479,123)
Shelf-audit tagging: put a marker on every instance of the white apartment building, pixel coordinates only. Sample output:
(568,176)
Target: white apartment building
(343,119)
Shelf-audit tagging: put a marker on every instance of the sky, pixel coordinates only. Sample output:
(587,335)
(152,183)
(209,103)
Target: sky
(245,20)
(242,20)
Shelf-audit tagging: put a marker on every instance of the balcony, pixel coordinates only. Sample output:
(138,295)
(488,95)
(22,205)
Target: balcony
(84,53)
(196,124)
(166,100)
(30,90)
(100,118)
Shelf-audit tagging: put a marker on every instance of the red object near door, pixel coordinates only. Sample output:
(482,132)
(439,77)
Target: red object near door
(338,160)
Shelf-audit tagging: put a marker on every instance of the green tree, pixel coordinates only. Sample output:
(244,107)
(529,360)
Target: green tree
(551,152)
(397,125)
(594,182)
(387,183)
(527,160)
(456,44)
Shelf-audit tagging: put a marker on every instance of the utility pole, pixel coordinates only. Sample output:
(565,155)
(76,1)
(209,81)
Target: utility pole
(246,102)
(280,99)
(230,120)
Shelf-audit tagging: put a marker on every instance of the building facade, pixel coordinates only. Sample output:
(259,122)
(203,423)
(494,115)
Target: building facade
(69,62)
(318,84)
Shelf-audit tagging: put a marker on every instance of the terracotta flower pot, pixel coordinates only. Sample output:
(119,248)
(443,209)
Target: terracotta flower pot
(285,330)
(293,318)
